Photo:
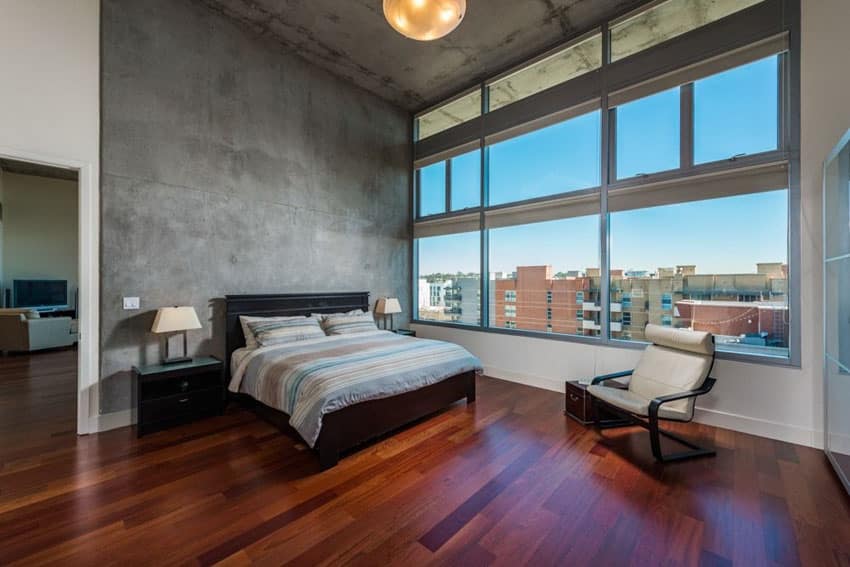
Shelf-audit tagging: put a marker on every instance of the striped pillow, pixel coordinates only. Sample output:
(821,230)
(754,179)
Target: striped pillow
(347,324)
(278,331)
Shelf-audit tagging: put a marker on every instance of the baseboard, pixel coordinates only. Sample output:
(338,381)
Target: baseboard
(717,418)
(108,421)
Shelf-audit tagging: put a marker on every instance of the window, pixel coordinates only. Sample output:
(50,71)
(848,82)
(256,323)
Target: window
(736,112)
(626,301)
(647,134)
(451,114)
(548,328)
(465,180)
(510,325)
(580,315)
(560,67)
(535,261)
(668,20)
(432,189)
(557,159)
(627,318)
(449,278)
(510,311)
(579,296)
(754,225)
(549,296)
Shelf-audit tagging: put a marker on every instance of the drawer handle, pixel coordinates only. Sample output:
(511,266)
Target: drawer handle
(184,385)
(573,397)
(183,401)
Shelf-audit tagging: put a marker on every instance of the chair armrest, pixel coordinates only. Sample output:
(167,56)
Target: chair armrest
(655,404)
(603,377)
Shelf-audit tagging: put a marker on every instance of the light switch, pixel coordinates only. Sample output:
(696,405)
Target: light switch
(131,303)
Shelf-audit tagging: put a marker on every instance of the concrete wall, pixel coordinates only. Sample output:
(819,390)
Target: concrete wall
(773,401)
(233,166)
(41,230)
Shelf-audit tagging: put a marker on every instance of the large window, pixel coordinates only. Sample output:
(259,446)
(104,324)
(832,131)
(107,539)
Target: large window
(667,20)
(554,69)
(557,159)
(736,113)
(598,192)
(449,282)
(648,135)
(719,265)
(451,114)
(538,271)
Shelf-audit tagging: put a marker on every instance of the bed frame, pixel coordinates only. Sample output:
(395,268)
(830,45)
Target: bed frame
(354,425)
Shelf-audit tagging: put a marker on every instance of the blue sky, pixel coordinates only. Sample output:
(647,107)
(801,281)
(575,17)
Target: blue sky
(734,112)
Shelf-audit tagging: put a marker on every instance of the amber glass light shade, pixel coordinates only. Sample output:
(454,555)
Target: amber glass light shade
(424,20)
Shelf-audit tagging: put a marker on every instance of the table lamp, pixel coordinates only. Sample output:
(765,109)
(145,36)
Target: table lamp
(170,320)
(388,306)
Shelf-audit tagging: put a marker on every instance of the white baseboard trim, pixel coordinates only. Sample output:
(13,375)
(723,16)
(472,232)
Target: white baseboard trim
(717,418)
(109,421)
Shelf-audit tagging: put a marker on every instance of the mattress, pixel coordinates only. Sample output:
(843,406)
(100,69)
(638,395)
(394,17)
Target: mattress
(309,379)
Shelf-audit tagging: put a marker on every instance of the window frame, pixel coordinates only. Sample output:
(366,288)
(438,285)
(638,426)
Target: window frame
(768,23)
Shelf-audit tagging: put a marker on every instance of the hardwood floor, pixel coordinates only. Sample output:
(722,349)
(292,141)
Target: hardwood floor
(508,480)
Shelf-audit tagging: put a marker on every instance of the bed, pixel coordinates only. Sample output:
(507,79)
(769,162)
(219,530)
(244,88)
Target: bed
(397,394)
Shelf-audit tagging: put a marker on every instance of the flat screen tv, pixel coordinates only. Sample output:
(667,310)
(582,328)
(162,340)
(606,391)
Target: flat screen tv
(40,294)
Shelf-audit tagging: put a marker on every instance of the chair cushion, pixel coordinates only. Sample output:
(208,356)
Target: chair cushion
(663,370)
(633,403)
(682,339)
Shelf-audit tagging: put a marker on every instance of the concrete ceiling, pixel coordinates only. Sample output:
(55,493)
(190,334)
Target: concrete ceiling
(351,39)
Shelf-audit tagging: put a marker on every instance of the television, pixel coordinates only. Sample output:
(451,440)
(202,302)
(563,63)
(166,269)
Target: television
(40,294)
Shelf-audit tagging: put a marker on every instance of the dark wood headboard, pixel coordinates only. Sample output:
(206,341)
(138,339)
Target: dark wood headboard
(282,305)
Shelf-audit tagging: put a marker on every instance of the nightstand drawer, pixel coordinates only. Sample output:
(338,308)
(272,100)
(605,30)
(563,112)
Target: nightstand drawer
(152,388)
(180,405)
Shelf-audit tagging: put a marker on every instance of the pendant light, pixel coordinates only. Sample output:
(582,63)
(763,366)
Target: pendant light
(424,20)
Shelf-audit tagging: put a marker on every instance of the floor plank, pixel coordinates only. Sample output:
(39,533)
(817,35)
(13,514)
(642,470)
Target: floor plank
(506,481)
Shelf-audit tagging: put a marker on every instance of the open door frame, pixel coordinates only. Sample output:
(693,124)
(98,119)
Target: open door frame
(88,301)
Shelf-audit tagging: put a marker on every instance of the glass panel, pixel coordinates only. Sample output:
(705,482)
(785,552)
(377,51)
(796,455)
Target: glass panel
(466,180)
(672,265)
(530,264)
(451,114)
(558,68)
(837,207)
(432,189)
(837,416)
(668,20)
(557,159)
(737,112)
(450,278)
(837,312)
(648,135)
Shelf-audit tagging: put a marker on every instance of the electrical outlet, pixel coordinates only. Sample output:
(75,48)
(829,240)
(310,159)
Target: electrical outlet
(131,303)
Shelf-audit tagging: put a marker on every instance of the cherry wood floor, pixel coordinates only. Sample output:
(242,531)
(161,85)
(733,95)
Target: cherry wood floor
(508,481)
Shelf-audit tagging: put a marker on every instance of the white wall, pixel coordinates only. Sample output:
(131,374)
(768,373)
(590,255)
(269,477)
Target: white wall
(40,230)
(768,400)
(49,112)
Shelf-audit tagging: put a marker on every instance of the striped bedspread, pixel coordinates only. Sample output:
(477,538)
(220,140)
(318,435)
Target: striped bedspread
(308,379)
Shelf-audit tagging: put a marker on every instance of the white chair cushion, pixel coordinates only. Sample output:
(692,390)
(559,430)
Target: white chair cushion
(662,371)
(633,403)
(698,342)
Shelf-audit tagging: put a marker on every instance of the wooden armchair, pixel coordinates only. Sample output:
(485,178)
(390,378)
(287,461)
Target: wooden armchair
(669,376)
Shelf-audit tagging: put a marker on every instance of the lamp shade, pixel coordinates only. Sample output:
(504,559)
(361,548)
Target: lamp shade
(173,319)
(388,306)
(424,19)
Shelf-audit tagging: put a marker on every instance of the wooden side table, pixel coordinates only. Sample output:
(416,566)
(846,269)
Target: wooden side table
(171,394)
(405,332)
(578,403)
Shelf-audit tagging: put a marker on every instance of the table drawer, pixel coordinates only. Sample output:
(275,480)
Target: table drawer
(170,407)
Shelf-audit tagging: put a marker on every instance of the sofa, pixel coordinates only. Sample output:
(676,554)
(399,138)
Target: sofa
(24,330)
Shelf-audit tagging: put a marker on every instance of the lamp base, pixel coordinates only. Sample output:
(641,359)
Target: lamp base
(177,360)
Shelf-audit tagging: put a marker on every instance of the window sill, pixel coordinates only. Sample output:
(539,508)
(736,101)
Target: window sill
(762,359)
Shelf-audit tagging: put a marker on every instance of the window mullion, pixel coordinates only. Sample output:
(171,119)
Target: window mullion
(606,154)
(686,126)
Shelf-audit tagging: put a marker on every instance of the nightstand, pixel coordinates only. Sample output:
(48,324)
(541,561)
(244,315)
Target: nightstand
(405,332)
(171,394)
(578,403)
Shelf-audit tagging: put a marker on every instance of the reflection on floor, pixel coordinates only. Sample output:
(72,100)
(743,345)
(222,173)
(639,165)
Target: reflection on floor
(506,480)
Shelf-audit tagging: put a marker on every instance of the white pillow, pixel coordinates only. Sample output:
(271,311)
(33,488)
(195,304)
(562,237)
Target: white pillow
(250,339)
(322,316)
